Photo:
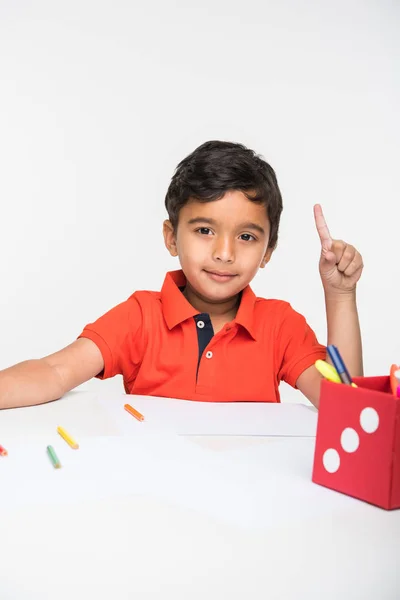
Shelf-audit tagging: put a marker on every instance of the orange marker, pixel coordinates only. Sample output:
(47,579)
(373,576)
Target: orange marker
(3,451)
(394,384)
(134,412)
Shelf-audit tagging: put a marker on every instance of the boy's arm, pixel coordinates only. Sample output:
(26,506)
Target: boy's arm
(45,379)
(343,332)
(340,268)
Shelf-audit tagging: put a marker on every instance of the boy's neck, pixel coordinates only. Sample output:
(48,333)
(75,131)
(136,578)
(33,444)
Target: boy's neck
(228,308)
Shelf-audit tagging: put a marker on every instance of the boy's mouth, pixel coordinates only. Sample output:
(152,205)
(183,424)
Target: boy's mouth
(221,276)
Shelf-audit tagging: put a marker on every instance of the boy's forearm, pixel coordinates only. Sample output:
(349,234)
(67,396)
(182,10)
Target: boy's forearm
(344,330)
(29,382)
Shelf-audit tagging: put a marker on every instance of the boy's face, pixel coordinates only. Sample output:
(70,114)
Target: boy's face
(221,244)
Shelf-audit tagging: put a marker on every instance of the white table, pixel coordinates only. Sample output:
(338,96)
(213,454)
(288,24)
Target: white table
(136,547)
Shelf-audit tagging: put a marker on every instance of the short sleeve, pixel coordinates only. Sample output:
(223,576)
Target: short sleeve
(118,335)
(298,346)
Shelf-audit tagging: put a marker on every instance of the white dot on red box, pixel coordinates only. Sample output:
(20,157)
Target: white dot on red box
(349,440)
(369,420)
(331,460)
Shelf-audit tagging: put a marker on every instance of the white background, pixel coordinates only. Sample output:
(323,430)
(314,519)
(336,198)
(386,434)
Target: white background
(99,101)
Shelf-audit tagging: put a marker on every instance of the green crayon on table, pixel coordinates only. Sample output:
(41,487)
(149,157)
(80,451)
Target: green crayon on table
(53,457)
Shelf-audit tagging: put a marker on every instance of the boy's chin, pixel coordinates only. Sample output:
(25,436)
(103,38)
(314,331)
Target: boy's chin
(216,292)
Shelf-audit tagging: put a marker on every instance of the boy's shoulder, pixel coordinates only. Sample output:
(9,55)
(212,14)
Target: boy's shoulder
(275,304)
(145,299)
(145,295)
(273,309)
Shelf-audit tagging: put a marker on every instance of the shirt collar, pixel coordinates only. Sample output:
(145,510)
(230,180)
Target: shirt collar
(177,309)
(245,313)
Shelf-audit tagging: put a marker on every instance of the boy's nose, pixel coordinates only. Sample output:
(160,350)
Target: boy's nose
(224,251)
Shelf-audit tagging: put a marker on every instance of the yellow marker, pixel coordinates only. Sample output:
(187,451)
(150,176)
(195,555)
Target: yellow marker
(328,371)
(67,438)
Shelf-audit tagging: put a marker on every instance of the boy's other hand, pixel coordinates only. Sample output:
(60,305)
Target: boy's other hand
(340,264)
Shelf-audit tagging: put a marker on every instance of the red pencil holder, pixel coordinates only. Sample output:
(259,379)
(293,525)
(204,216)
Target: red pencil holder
(357,450)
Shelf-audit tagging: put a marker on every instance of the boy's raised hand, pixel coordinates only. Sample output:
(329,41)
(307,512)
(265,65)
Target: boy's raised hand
(340,265)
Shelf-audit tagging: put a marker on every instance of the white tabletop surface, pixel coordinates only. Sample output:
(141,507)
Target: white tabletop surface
(297,541)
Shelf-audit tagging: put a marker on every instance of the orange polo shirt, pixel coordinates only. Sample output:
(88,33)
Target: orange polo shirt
(162,346)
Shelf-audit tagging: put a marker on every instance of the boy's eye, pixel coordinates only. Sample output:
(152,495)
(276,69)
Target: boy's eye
(247,237)
(204,230)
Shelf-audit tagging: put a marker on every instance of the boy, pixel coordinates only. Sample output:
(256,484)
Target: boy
(206,336)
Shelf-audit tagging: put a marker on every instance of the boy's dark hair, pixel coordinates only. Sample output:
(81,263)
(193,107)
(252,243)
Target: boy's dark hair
(216,167)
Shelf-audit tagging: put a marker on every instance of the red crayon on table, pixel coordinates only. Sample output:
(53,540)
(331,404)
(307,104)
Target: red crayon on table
(3,451)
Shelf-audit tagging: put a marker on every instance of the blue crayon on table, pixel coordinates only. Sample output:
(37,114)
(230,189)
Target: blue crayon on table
(339,365)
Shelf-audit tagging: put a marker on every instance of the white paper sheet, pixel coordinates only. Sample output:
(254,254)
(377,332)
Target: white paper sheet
(163,466)
(251,488)
(208,418)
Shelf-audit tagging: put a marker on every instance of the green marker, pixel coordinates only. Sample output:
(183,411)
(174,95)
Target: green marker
(53,457)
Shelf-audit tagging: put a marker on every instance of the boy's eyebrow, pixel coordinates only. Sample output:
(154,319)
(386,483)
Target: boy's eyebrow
(197,220)
(253,226)
(208,221)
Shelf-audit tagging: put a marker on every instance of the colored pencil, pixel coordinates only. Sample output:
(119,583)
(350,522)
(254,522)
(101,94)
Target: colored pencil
(53,457)
(135,413)
(70,441)
(3,451)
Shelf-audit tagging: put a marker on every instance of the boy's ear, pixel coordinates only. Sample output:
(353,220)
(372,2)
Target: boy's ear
(170,238)
(267,257)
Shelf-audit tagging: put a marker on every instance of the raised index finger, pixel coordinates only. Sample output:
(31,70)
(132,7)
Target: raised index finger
(322,228)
